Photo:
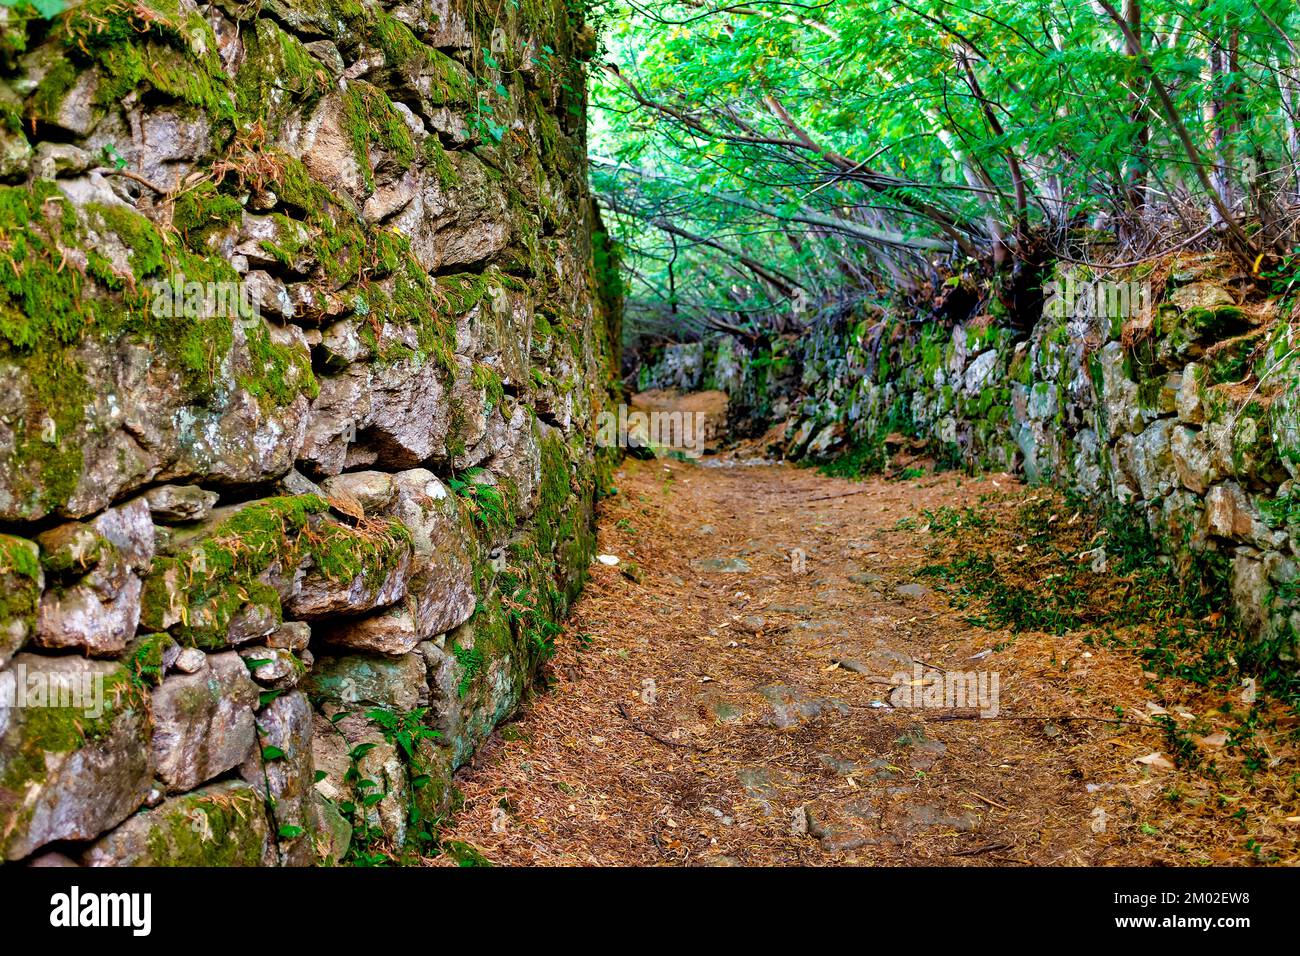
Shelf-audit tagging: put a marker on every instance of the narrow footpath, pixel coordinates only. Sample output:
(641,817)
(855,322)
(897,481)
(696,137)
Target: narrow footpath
(728,694)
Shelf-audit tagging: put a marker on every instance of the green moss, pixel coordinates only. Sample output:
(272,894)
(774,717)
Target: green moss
(219,576)
(486,379)
(445,80)
(19,556)
(22,578)
(342,554)
(1230,362)
(276,374)
(141,238)
(465,290)
(437,157)
(135,42)
(204,208)
(61,730)
(372,121)
(216,578)
(216,826)
(52,89)
(278,74)
(1216,323)
(45,302)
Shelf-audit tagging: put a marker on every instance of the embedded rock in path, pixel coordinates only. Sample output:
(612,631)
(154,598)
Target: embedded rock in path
(791,706)
(722,565)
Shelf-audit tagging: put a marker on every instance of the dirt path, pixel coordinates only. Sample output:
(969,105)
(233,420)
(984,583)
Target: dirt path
(714,703)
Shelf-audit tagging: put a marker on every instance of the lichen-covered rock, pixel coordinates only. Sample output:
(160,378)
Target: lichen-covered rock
(1229,513)
(1286,419)
(441,593)
(1118,396)
(273,667)
(135,425)
(1192,460)
(174,504)
(97,612)
(461,226)
(1201,295)
(475,681)
(1152,462)
(281,769)
(333,834)
(372,490)
(331,760)
(70,771)
(221,825)
(231,580)
(515,463)
(1188,401)
(380,780)
(360,680)
(203,722)
(97,615)
(291,635)
(21,583)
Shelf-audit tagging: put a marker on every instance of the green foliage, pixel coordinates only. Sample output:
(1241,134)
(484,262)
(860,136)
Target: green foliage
(1178,614)
(862,460)
(487,503)
(760,162)
(470,660)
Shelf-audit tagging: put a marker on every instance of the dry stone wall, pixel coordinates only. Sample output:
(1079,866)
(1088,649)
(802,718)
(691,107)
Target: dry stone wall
(1174,388)
(304,323)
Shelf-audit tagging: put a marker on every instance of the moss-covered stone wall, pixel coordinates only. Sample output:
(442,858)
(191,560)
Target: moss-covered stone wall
(1174,387)
(304,321)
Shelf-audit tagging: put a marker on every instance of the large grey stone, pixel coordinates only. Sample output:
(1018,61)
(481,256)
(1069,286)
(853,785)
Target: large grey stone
(381,581)
(362,680)
(68,772)
(99,612)
(203,722)
(440,593)
(142,424)
(173,504)
(281,769)
(221,825)
(1152,461)
(1192,459)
